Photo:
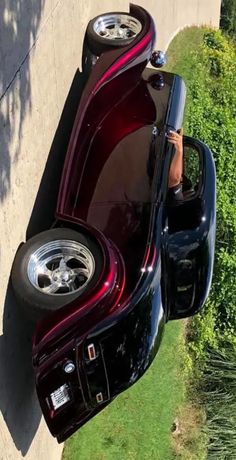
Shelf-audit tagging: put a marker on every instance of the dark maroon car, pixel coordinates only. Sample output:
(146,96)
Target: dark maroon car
(122,257)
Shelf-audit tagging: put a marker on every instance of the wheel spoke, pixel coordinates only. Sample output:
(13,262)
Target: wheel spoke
(81,271)
(52,288)
(70,286)
(67,258)
(62,264)
(118,31)
(44,271)
(105,32)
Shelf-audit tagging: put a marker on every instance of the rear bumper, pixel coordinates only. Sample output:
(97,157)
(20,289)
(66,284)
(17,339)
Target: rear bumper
(87,388)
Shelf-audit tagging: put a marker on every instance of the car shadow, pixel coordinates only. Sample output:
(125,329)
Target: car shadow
(18,400)
(42,216)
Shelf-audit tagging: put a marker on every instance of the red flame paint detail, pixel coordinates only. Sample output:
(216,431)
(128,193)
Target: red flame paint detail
(128,57)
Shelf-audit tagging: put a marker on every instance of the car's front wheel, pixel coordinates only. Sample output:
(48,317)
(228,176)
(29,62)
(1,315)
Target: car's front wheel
(53,268)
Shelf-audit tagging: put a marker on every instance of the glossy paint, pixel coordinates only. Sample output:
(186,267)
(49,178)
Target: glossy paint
(114,185)
(122,356)
(124,215)
(190,241)
(126,63)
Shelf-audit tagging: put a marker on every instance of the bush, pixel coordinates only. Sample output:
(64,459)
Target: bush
(228,16)
(211,112)
(210,75)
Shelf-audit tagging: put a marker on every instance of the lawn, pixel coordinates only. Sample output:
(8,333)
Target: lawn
(180,51)
(137,425)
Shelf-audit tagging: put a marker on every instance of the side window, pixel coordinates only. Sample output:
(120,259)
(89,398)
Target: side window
(191,170)
(184,174)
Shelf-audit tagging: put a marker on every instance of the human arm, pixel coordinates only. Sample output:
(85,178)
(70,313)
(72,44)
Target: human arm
(176,167)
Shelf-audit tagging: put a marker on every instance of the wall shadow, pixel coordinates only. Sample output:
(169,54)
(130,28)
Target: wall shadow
(19,23)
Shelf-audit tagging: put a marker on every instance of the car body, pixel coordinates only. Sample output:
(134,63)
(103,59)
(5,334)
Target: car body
(157,256)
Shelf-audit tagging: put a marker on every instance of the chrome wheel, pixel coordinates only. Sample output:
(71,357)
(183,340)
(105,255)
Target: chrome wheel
(117,26)
(61,267)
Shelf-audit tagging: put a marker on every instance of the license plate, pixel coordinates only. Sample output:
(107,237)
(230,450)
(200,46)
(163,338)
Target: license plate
(60,396)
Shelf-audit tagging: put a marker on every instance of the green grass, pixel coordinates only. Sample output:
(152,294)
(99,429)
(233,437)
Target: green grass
(137,425)
(180,58)
(179,53)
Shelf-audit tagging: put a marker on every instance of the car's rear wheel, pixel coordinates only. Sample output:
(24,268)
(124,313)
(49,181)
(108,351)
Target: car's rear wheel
(111,30)
(53,268)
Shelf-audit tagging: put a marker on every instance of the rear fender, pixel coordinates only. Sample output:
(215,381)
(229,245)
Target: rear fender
(115,73)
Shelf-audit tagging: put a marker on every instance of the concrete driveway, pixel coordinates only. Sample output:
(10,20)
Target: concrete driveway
(40,52)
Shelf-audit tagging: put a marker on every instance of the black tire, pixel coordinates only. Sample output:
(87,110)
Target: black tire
(98,44)
(34,302)
(88,60)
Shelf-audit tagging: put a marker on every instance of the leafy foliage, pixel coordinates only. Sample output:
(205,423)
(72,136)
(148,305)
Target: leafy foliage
(206,59)
(228,17)
(211,112)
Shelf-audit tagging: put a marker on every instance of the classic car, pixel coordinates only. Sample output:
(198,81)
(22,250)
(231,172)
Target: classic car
(121,259)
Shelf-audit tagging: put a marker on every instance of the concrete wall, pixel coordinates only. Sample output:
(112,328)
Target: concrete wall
(40,51)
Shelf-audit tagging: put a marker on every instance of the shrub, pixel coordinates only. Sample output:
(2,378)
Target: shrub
(211,117)
(211,114)
(228,16)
